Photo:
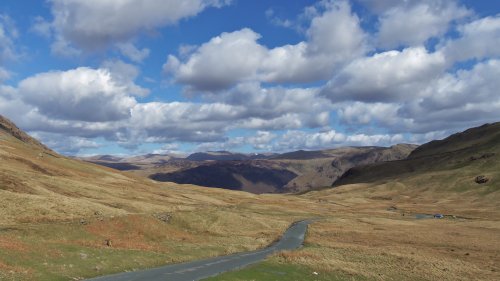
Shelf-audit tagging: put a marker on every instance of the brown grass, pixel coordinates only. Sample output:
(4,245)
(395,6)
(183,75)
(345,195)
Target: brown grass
(357,236)
(9,243)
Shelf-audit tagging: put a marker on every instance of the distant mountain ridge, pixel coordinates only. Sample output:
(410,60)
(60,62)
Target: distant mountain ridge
(288,172)
(236,175)
(226,156)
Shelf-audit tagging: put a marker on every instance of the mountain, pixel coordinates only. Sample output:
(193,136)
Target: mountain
(104,158)
(237,175)
(289,172)
(225,156)
(452,163)
(301,155)
(331,164)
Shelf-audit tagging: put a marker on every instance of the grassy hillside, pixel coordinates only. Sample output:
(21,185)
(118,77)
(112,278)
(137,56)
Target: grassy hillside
(63,219)
(57,215)
(451,164)
(381,225)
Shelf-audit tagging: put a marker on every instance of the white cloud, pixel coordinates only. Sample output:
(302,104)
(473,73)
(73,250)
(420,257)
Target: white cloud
(4,74)
(8,33)
(222,61)
(387,76)
(124,74)
(92,25)
(450,103)
(132,52)
(478,40)
(464,99)
(170,149)
(61,103)
(67,145)
(328,139)
(83,94)
(414,22)
(176,121)
(337,32)
(261,140)
(334,37)
(246,106)
(359,113)
(379,97)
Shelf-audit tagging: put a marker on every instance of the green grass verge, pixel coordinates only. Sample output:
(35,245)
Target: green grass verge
(271,270)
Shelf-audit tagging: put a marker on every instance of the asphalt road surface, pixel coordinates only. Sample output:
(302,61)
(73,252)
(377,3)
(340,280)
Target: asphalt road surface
(196,270)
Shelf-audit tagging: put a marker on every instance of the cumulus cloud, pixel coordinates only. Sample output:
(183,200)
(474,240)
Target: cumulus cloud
(92,25)
(452,102)
(334,37)
(132,52)
(360,113)
(247,106)
(478,39)
(383,87)
(462,99)
(220,62)
(267,104)
(331,138)
(82,94)
(60,102)
(414,22)
(67,145)
(387,76)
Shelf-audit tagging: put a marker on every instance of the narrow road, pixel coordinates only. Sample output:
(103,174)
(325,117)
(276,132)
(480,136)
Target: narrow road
(196,270)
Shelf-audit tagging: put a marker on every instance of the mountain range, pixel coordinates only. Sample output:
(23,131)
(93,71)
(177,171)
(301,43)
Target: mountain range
(296,171)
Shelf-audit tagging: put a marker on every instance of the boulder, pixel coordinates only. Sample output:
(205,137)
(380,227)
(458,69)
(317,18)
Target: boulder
(481,179)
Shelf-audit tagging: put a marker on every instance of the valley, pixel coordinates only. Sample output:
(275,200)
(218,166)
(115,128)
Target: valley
(226,140)
(65,219)
(291,172)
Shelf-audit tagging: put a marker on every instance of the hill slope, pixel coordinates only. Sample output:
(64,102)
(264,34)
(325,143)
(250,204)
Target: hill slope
(37,184)
(65,219)
(237,175)
(289,172)
(452,163)
(7,128)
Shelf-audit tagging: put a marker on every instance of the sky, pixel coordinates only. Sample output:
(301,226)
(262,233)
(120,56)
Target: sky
(130,77)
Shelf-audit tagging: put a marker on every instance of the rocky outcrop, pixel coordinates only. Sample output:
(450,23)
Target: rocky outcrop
(481,179)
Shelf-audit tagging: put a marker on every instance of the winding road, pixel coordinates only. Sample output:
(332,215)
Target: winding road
(196,270)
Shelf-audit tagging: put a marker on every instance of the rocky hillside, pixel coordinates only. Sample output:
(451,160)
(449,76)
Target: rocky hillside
(331,164)
(289,172)
(236,175)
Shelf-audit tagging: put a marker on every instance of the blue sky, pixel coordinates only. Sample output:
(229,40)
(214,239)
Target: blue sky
(164,76)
